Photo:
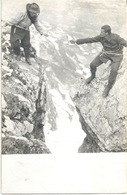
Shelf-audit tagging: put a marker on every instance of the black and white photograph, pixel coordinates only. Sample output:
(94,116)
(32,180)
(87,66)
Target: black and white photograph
(63,80)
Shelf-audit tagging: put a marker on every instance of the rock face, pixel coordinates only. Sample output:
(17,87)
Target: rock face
(24,99)
(21,145)
(103,119)
(29,105)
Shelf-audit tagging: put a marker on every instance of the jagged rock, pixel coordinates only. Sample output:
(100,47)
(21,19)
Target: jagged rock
(103,119)
(6,71)
(8,125)
(14,127)
(28,126)
(23,96)
(38,132)
(19,128)
(4,104)
(89,146)
(17,109)
(3,40)
(20,145)
(4,62)
(7,37)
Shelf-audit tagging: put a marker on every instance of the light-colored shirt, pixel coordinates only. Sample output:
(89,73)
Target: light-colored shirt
(22,19)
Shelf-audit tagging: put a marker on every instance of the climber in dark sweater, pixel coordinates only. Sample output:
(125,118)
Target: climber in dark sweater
(112,50)
(20,34)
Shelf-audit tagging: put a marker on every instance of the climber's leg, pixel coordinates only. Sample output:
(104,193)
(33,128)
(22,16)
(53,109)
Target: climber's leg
(26,45)
(93,67)
(112,77)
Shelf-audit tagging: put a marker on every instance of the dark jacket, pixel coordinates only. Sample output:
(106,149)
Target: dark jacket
(112,42)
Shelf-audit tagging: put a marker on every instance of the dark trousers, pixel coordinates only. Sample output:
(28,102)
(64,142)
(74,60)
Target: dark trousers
(115,64)
(20,38)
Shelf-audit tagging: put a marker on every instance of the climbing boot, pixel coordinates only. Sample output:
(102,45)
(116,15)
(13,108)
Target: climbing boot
(28,61)
(88,81)
(106,91)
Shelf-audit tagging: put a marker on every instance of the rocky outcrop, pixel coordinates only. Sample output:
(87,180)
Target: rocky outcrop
(24,98)
(22,145)
(29,105)
(104,120)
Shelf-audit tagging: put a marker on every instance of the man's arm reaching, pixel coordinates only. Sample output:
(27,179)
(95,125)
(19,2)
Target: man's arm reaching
(86,40)
(39,28)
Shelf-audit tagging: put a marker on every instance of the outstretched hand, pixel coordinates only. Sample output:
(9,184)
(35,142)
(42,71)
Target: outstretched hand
(72,41)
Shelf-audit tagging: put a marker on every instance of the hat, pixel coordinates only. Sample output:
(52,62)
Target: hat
(33,7)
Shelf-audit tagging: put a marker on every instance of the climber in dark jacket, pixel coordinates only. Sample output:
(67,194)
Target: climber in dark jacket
(112,50)
(20,34)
